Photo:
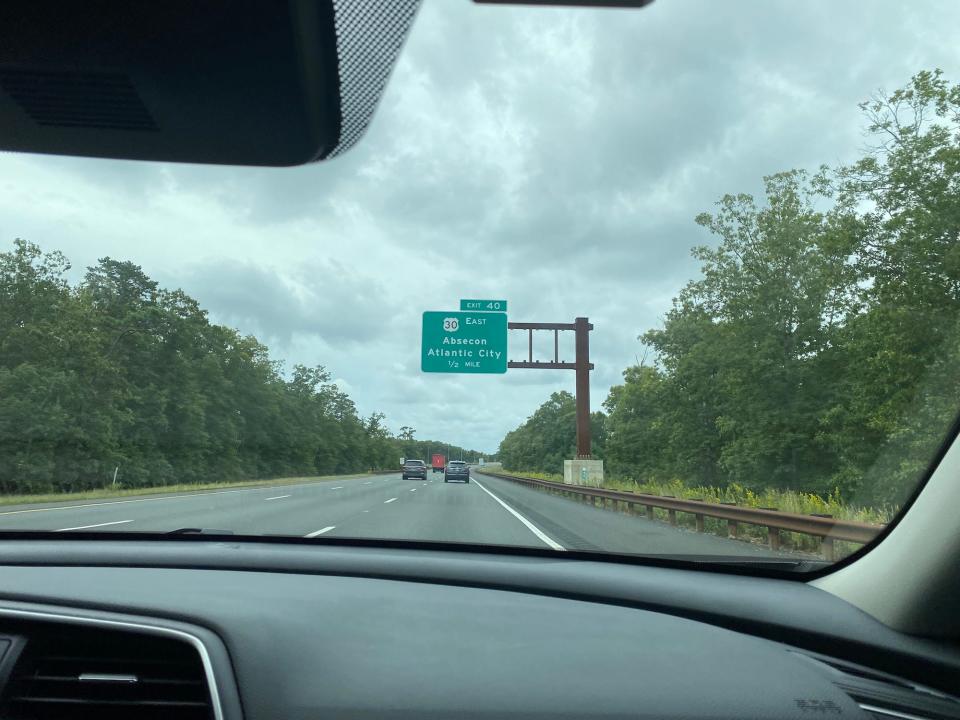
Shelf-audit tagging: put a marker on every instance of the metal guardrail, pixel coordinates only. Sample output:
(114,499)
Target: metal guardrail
(826,528)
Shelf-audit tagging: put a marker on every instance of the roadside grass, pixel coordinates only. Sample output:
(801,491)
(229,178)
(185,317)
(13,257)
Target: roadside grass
(107,493)
(783,500)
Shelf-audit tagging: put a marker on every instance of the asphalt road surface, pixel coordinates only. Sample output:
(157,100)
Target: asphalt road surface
(485,511)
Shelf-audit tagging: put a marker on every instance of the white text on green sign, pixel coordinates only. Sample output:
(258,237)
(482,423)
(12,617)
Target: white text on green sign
(464,342)
(484,305)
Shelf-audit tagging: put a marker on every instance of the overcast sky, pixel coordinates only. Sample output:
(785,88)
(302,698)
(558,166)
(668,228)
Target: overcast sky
(552,158)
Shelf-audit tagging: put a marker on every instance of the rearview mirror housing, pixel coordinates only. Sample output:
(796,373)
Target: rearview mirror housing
(250,82)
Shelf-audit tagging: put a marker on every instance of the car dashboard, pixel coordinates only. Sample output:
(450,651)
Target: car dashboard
(196,628)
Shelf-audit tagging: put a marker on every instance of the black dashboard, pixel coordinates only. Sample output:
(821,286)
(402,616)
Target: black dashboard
(298,631)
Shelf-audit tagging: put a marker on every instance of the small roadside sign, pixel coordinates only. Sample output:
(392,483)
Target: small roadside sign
(463,342)
(484,305)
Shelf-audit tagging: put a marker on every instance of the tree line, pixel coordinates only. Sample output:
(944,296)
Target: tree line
(118,375)
(819,348)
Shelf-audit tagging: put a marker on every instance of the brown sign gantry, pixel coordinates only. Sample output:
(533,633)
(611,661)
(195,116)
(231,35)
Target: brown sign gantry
(582,365)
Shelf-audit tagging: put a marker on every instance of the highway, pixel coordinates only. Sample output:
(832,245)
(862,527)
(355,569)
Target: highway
(486,511)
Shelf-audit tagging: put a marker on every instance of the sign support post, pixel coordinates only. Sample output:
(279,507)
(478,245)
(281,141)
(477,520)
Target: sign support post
(582,332)
(582,365)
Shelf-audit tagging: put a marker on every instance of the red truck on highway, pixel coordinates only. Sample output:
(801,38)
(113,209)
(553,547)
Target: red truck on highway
(438,463)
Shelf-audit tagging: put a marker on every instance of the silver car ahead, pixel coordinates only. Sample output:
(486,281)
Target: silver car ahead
(456,470)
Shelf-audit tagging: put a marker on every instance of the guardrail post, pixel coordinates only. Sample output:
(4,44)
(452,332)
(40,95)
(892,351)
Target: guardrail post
(698,516)
(827,549)
(733,528)
(826,543)
(650,513)
(672,516)
(774,535)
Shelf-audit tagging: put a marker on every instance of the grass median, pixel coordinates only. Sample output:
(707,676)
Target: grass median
(791,501)
(108,493)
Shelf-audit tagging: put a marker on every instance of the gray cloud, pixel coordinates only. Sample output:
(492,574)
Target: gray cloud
(555,158)
(323,300)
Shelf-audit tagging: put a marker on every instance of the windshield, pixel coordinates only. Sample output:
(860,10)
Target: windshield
(675,281)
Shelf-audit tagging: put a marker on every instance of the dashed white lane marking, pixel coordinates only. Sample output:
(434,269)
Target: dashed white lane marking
(389,501)
(413,489)
(339,487)
(277,497)
(321,531)
(87,527)
(368,483)
(530,526)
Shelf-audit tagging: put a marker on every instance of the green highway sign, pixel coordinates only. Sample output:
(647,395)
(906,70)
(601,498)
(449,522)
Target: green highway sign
(464,342)
(484,305)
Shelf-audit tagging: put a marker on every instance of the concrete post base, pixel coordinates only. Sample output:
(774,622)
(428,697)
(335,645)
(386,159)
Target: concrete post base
(583,472)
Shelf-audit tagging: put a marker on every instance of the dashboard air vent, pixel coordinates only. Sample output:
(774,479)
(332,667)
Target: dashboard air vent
(80,674)
(885,697)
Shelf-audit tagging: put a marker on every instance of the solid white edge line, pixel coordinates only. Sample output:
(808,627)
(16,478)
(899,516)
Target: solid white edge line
(530,526)
(277,497)
(87,527)
(321,531)
(389,501)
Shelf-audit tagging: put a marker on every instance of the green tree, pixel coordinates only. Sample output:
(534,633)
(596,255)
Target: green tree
(545,439)
(636,432)
(742,346)
(820,348)
(904,390)
(121,373)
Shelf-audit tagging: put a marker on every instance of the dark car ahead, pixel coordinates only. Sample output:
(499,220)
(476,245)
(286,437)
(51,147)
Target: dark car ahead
(414,469)
(456,470)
